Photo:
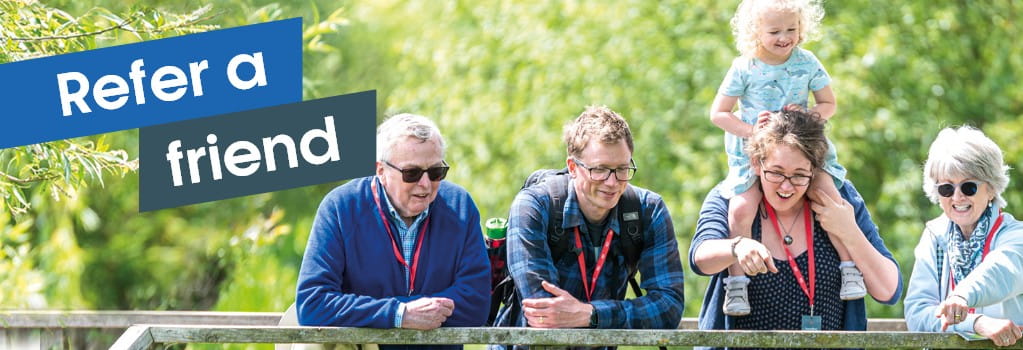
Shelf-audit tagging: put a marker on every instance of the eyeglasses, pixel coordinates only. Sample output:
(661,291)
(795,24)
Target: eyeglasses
(969,188)
(602,174)
(795,180)
(412,175)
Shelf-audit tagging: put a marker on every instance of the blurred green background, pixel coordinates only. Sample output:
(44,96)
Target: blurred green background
(500,78)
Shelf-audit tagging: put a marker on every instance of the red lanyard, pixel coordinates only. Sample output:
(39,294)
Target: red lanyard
(589,286)
(394,244)
(809,291)
(983,254)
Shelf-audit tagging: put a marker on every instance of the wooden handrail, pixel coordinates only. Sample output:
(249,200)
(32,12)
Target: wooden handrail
(125,319)
(147,336)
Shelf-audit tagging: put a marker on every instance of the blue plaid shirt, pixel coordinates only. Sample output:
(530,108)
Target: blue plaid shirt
(407,235)
(530,261)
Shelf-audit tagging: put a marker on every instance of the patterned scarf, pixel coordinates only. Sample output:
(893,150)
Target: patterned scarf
(965,254)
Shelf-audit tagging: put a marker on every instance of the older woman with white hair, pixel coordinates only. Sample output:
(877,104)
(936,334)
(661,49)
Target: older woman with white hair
(968,275)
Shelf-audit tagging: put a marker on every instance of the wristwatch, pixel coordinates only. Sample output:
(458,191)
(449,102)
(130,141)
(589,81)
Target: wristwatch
(593,318)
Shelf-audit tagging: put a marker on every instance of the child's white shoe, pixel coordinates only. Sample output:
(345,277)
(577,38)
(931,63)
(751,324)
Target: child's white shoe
(852,284)
(736,297)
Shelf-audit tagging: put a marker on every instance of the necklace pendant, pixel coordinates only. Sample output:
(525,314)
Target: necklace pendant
(787,240)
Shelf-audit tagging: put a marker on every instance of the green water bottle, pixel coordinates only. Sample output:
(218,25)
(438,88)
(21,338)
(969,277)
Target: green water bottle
(496,228)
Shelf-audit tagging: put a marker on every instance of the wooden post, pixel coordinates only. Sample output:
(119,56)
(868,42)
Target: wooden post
(135,338)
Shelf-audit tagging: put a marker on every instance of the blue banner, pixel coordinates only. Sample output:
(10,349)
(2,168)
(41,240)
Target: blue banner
(151,83)
(257,151)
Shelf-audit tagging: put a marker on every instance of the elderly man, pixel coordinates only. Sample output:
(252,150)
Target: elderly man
(399,249)
(580,280)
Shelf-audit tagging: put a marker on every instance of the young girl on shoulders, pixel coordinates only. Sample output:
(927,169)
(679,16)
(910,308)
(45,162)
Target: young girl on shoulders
(773,71)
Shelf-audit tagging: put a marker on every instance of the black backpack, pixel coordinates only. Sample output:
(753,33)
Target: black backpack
(556,183)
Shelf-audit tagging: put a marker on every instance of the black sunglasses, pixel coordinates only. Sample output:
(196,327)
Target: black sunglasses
(412,175)
(969,188)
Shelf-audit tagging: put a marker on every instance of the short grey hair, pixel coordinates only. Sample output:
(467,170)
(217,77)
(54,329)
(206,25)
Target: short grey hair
(398,127)
(965,152)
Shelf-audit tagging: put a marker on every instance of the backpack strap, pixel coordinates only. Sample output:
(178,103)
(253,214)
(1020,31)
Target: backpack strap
(557,189)
(629,214)
(630,219)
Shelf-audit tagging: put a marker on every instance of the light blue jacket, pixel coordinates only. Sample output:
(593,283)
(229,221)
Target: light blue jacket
(994,287)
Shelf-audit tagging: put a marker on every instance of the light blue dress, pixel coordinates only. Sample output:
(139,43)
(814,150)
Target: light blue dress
(765,87)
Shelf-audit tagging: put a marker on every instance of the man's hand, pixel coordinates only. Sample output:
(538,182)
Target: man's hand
(753,257)
(427,313)
(1001,331)
(560,311)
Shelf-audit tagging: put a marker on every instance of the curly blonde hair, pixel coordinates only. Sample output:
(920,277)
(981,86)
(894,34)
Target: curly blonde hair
(746,21)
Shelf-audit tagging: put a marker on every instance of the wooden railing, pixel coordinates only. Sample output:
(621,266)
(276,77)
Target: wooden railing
(148,336)
(99,329)
(78,329)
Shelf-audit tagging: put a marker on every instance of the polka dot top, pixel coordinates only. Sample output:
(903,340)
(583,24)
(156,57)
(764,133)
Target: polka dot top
(777,301)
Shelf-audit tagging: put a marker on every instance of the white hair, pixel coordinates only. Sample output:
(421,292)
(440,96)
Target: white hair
(965,152)
(399,127)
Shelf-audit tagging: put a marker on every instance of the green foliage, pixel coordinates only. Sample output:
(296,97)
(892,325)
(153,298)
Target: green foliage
(61,167)
(500,78)
(40,184)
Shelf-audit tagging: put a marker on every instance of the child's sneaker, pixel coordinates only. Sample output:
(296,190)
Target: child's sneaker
(852,284)
(736,298)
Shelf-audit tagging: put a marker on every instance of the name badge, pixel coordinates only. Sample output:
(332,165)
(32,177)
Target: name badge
(811,323)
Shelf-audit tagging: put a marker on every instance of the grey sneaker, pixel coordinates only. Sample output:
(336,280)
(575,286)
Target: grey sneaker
(852,284)
(736,298)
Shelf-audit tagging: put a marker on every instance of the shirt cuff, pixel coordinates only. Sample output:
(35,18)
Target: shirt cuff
(399,315)
(967,325)
(603,310)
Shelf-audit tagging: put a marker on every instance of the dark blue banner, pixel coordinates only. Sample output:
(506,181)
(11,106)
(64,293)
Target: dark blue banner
(151,83)
(257,151)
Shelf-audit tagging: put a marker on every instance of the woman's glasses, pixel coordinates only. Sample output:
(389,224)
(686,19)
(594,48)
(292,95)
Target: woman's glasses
(412,175)
(795,180)
(968,188)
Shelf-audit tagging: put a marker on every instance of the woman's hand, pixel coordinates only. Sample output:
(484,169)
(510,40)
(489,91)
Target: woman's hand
(835,216)
(1001,331)
(753,257)
(952,311)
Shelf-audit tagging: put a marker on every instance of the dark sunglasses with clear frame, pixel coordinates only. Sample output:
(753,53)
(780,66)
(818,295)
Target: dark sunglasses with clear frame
(411,175)
(969,188)
(601,174)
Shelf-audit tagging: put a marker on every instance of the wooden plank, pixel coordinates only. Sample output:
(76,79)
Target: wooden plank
(124,319)
(135,338)
(874,324)
(563,337)
(20,338)
(52,338)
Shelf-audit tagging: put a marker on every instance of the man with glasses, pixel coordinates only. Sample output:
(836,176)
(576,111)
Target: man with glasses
(585,286)
(401,249)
